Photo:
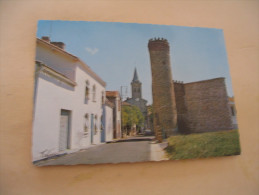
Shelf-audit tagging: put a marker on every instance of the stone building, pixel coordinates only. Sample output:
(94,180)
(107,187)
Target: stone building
(194,107)
(136,99)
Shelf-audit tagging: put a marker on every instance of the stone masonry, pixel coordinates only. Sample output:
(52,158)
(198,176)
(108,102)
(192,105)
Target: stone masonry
(203,106)
(164,106)
(195,107)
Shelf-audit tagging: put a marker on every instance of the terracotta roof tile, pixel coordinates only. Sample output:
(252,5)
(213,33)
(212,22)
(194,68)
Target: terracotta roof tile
(112,93)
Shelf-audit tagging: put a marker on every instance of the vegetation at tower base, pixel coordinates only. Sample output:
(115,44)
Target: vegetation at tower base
(131,115)
(203,145)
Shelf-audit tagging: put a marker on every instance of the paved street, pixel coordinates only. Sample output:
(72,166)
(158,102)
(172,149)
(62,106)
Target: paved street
(136,149)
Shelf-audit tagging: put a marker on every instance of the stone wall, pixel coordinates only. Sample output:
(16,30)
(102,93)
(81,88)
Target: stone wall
(203,106)
(182,121)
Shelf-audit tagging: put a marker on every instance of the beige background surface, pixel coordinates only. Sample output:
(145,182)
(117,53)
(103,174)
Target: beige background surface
(224,175)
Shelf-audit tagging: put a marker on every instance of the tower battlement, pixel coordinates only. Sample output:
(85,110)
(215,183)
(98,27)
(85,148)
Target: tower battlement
(158,44)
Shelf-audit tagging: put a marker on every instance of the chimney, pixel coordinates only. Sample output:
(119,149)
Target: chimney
(46,38)
(59,44)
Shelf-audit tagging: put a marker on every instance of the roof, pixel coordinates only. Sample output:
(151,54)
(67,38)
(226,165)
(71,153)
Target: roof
(219,78)
(46,69)
(112,93)
(83,65)
(57,48)
(135,77)
(125,104)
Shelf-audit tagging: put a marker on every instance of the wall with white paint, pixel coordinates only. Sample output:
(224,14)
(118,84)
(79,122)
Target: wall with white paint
(108,123)
(52,95)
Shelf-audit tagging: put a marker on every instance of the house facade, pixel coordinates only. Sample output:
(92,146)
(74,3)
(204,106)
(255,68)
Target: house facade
(107,121)
(114,98)
(68,102)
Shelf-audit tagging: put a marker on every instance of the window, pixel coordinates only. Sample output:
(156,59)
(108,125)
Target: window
(102,123)
(86,124)
(87,91)
(95,124)
(94,93)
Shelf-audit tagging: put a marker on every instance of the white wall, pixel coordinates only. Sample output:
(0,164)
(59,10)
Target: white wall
(81,108)
(52,96)
(108,123)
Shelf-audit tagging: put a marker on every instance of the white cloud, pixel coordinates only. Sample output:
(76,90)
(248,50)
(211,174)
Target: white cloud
(91,51)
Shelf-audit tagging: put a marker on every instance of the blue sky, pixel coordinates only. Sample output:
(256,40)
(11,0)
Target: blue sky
(113,50)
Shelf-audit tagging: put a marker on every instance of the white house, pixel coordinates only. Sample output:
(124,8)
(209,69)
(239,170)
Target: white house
(107,133)
(68,102)
(114,98)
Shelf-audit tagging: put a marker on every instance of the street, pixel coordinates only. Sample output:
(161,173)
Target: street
(135,149)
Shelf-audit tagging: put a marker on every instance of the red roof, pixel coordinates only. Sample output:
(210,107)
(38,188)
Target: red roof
(112,93)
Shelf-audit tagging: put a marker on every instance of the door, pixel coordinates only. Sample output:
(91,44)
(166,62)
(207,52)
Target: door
(64,134)
(103,129)
(92,128)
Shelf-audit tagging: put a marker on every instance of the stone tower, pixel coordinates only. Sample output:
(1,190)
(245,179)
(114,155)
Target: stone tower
(136,86)
(164,106)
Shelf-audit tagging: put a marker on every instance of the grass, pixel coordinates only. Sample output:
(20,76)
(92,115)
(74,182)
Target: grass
(203,145)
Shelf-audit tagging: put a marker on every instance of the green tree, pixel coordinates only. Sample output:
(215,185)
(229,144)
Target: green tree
(131,115)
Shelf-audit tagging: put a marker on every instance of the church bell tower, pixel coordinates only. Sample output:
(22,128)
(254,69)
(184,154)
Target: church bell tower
(136,86)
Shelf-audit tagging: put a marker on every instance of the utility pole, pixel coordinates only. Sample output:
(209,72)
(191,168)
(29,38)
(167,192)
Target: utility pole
(121,96)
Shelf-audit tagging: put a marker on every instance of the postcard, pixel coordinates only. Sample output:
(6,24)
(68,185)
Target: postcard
(108,92)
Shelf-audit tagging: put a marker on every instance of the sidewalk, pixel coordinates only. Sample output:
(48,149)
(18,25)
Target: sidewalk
(157,152)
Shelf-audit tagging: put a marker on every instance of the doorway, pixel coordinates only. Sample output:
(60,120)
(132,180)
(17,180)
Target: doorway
(64,133)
